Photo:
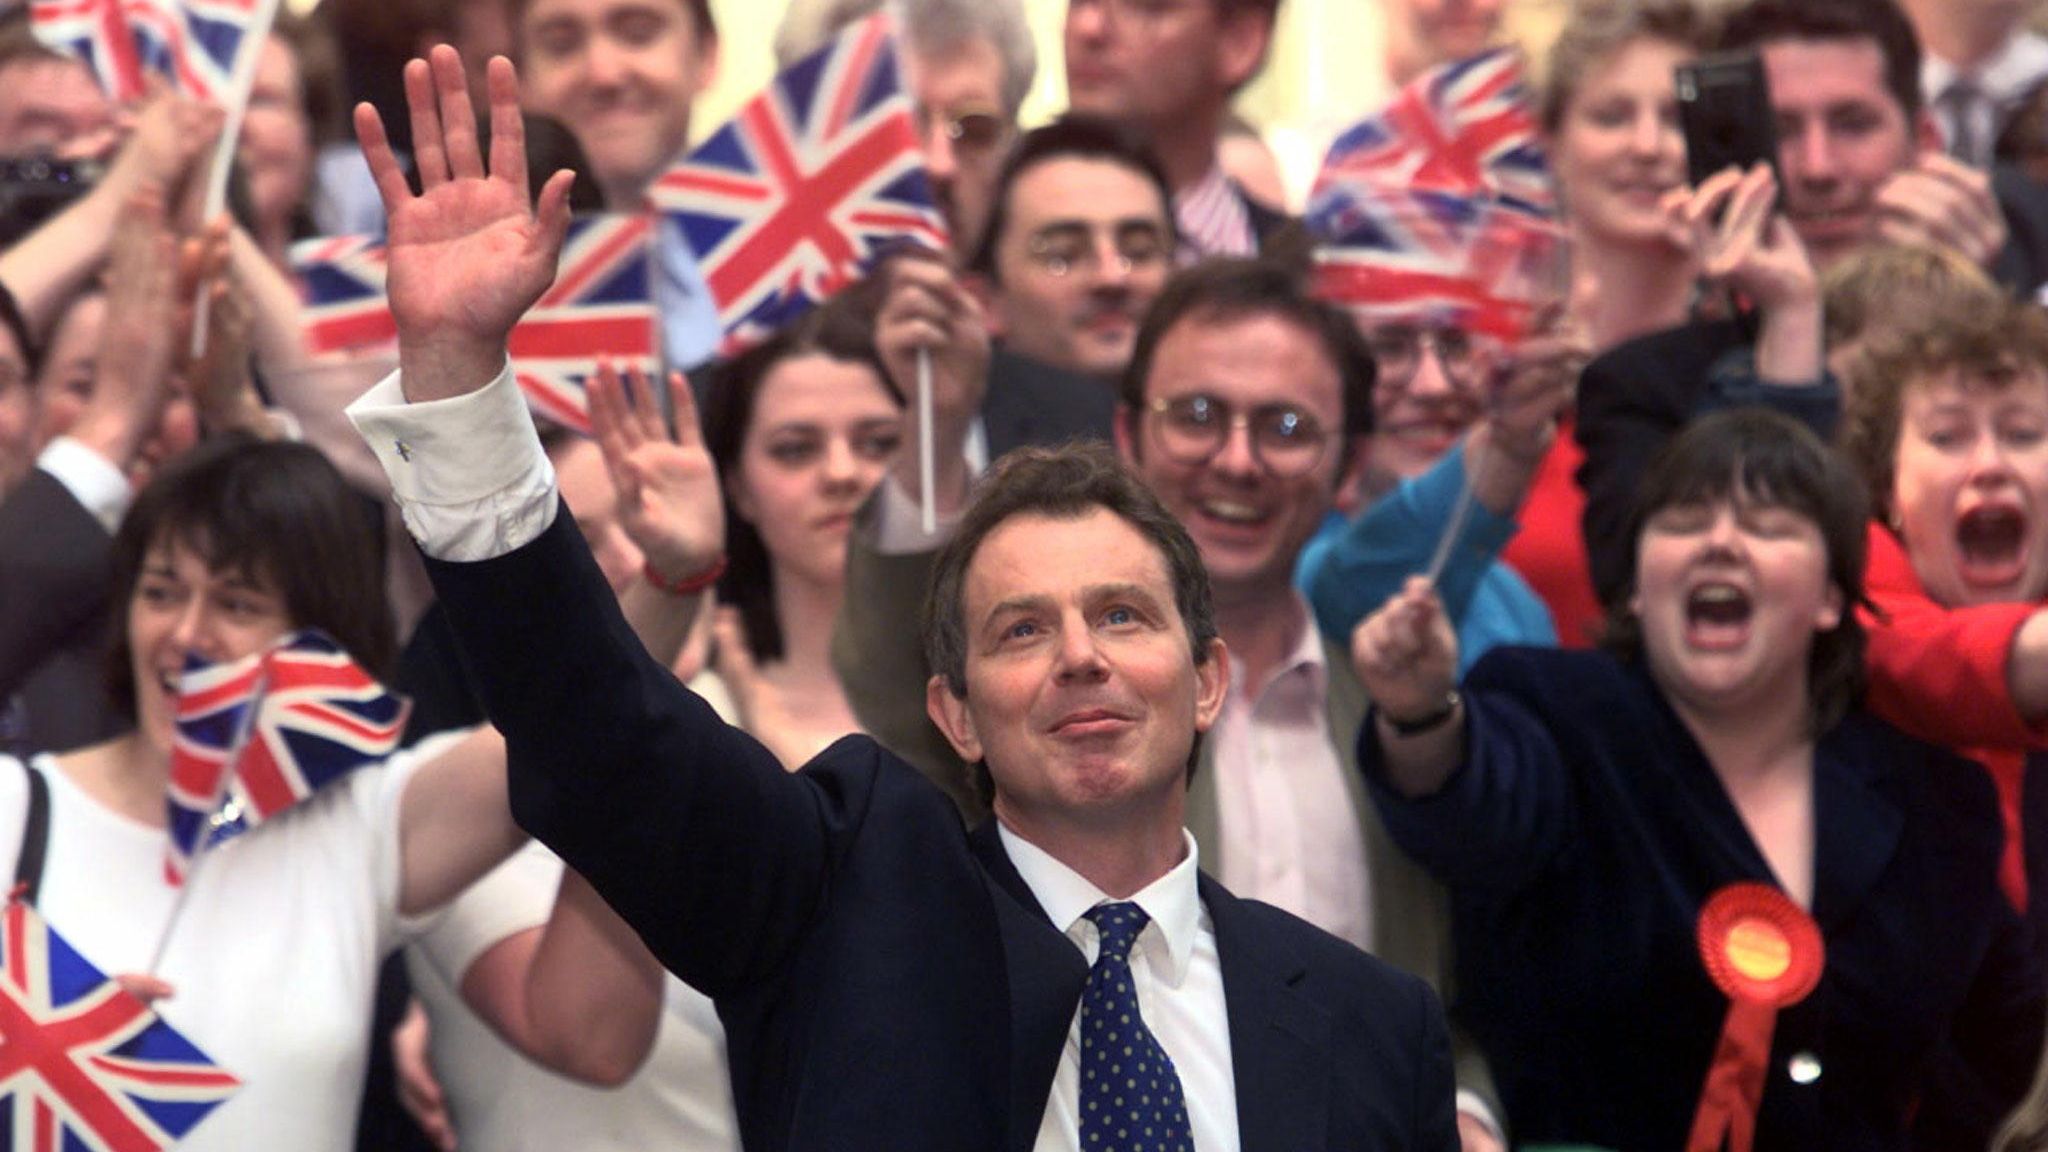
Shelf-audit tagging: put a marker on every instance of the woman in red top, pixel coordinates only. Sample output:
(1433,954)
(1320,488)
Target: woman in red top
(1610,125)
(1949,425)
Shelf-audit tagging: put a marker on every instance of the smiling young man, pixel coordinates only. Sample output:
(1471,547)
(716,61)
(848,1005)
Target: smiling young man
(1861,155)
(622,76)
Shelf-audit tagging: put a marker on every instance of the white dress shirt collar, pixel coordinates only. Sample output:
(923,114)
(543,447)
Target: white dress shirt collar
(2005,76)
(1173,902)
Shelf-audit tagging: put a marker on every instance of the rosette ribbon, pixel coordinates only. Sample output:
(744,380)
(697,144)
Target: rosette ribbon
(1765,954)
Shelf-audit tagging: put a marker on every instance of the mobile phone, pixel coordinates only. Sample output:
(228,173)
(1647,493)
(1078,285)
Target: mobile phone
(34,188)
(1724,106)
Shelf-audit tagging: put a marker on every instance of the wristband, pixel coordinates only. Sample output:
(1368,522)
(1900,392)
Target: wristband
(687,585)
(1429,721)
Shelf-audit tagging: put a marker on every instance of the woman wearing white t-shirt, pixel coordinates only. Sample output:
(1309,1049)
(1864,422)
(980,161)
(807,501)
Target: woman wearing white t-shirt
(272,959)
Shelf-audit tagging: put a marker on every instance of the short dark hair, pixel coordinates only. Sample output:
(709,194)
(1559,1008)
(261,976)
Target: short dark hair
(843,329)
(1992,348)
(1064,483)
(1761,22)
(1074,136)
(278,512)
(1228,289)
(1766,457)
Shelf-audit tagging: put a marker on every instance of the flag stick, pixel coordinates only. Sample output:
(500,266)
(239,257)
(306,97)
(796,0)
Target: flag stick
(239,83)
(928,508)
(201,849)
(1454,525)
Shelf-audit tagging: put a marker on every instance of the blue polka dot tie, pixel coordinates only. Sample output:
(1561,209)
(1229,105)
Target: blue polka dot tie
(1130,1095)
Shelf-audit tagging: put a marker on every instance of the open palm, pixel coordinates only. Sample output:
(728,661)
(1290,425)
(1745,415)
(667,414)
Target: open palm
(467,254)
(669,502)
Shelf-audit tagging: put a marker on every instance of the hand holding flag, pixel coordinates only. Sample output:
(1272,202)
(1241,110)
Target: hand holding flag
(83,1062)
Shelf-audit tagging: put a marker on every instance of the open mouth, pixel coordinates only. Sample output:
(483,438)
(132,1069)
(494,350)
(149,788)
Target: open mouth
(1717,616)
(1991,545)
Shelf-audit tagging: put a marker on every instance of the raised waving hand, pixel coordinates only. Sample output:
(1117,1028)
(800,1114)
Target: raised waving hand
(468,253)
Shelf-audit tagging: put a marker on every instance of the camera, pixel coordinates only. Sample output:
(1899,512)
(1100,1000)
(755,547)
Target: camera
(35,188)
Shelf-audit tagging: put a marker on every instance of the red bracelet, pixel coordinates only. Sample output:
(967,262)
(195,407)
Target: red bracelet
(687,585)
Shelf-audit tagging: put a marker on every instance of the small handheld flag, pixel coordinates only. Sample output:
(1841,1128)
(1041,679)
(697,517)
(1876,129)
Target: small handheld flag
(815,180)
(84,1064)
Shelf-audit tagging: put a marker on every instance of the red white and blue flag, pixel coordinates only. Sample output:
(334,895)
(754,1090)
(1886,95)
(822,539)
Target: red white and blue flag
(192,44)
(599,307)
(84,1064)
(343,311)
(1466,127)
(1413,255)
(1440,207)
(816,179)
(257,735)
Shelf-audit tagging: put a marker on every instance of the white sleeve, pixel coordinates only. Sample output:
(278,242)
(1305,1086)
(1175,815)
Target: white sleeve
(91,479)
(468,472)
(516,895)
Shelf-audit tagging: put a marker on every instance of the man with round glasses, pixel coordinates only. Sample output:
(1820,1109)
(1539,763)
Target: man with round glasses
(1245,408)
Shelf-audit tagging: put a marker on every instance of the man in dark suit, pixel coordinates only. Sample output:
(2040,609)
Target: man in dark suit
(886,980)
(1078,244)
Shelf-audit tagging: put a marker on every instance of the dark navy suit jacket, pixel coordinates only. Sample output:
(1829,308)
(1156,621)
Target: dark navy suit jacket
(886,980)
(54,572)
(1580,839)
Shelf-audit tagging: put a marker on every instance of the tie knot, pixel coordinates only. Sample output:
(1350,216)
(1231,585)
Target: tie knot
(1119,924)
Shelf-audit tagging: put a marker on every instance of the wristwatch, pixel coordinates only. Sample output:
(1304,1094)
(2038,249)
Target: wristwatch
(1428,721)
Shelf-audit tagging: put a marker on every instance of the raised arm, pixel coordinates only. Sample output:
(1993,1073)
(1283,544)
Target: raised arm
(468,255)
(1406,656)
(713,853)
(669,503)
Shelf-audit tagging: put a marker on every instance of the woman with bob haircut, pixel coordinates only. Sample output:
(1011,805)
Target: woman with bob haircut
(802,427)
(270,952)
(1596,814)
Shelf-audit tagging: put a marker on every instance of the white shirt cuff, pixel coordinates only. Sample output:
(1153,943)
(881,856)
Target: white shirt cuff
(468,472)
(1470,1103)
(91,479)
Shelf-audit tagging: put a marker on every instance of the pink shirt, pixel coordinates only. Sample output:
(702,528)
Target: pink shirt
(1287,829)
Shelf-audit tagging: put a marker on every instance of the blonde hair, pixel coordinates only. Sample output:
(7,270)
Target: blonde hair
(1597,29)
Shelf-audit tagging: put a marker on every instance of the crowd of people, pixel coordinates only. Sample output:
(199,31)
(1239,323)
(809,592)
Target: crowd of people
(1293,726)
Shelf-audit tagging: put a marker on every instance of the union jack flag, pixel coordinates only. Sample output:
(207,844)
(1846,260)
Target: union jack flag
(1463,127)
(814,181)
(193,44)
(257,735)
(83,1064)
(1390,253)
(599,306)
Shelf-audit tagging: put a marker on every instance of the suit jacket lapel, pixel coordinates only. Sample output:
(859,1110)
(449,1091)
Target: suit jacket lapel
(1279,1040)
(1856,827)
(1046,975)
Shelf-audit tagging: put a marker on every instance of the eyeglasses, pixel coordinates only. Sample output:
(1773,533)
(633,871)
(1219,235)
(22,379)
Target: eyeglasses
(1064,249)
(1286,440)
(1397,353)
(969,130)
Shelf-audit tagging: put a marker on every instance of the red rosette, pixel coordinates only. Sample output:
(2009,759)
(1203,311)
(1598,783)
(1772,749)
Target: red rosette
(1759,947)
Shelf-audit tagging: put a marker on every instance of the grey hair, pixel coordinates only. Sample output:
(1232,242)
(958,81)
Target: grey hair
(934,28)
